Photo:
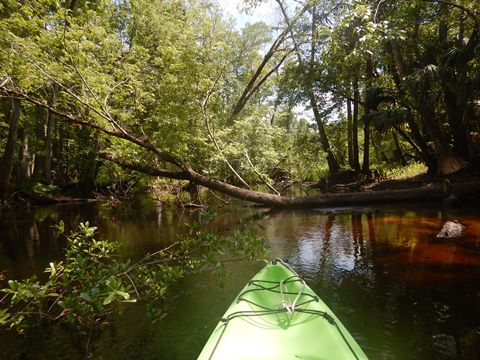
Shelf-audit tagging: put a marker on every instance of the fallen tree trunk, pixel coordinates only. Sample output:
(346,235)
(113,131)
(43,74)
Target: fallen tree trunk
(185,172)
(430,192)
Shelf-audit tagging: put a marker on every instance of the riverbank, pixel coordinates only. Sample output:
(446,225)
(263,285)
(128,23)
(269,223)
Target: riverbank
(450,189)
(471,175)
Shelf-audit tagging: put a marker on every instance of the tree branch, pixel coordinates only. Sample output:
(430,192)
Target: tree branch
(144,143)
(458,6)
(260,175)
(474,36)
(263,79)
(179,175)
(250,88)
(212,136)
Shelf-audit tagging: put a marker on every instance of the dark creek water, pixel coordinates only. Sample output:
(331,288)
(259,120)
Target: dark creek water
(401,293)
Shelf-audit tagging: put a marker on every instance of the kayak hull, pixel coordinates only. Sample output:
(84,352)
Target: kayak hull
(277,316)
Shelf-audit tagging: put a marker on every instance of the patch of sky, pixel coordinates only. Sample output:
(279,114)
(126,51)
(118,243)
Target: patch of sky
(266,11)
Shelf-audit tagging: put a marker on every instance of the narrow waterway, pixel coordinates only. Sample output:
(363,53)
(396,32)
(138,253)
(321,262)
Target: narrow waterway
(402,293)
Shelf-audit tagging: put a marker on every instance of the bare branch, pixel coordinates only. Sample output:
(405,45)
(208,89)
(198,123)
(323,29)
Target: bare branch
(218,197)
(103,113)
(212,136)
(260,175)
(247,92)
(104,109)
(112,89)
(4,81)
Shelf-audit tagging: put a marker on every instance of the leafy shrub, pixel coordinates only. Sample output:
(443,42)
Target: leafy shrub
(44,190)
(93,281)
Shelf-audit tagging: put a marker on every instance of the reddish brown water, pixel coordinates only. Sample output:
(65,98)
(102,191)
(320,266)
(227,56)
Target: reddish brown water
(401,292)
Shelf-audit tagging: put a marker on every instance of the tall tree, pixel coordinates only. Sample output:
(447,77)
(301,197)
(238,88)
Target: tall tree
(7,160)
(307,69)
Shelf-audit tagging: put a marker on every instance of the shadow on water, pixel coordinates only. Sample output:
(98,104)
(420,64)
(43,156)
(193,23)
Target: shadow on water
(402,293)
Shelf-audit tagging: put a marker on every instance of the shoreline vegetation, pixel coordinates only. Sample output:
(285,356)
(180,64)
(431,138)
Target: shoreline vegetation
(451,190)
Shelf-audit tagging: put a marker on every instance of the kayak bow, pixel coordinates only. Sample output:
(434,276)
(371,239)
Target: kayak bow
(277,316)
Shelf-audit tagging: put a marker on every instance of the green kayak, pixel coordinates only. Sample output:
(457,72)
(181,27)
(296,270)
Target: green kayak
(277,316)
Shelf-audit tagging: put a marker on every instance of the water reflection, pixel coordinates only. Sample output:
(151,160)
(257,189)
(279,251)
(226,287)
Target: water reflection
(402,293)
(387,276)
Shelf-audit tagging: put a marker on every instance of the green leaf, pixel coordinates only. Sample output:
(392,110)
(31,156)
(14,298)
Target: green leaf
(123,294)
(85,297)
(109,298)
(4,316)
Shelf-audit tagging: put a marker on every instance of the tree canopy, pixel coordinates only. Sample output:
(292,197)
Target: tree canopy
(174,89)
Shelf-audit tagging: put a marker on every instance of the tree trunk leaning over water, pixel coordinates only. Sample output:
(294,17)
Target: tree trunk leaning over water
(185,172)
(433,193)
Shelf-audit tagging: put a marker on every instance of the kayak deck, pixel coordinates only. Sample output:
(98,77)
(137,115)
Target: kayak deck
(277,316)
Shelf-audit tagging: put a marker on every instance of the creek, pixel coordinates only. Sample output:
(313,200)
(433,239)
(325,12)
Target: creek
(402,293)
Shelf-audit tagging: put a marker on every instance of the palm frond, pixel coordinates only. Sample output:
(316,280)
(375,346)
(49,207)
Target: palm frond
(383,121)
(427,72)
(376,95)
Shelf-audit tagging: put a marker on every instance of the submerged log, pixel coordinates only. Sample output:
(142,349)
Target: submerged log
(49,200)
